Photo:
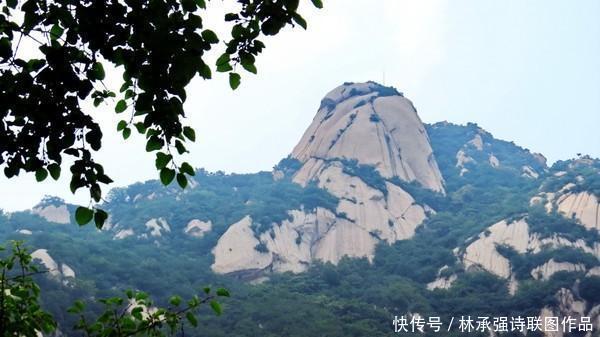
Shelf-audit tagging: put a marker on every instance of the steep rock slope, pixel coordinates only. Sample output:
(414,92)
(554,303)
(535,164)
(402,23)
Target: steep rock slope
(573,191)
(365,141)
(373,125)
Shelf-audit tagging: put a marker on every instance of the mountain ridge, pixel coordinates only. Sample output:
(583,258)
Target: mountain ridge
(514,235)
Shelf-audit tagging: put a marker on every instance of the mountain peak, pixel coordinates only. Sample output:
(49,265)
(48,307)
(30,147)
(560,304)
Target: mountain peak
(374,125)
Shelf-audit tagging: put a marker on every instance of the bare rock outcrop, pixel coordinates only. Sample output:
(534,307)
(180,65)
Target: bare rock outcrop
(357,124)
(236,251)
(483,253)
(60,272)
(53,213)
(158,227)
(375,126)
(551,267)
(582,206)
(198,228)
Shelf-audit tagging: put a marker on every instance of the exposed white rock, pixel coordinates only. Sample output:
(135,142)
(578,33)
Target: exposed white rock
(236,251)
(494,161)
(477,142)
(442,282)
(385,132)
(57,214)
(461,159)
(583,206)
(593,272)
(529,172)
(157,226)
(295,243)
(123,233)
(24,231)
(566,188)
(47,261)
(198,228)
(536,200)
(551,267)
(66,270)
(482,252)
(513,285)
(292,241)
(393,219)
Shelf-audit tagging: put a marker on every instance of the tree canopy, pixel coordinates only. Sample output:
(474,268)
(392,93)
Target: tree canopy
(159,45)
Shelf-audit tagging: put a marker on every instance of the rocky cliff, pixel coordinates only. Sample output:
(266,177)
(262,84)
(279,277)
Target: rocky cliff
(365,141)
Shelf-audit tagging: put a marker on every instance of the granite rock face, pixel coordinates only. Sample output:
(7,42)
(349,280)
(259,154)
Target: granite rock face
(363,124)
(373,125)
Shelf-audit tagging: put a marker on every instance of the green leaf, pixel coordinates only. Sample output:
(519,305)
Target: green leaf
(317,3)
(98,71)
(77,307)
(187,168)
(122,125)
(299,20)
(126,133)
(154,143)
(222,292)
(223,68)
(166,175)
(56,32)
(139,296)
(210,36)
(121,106)
(182,180)
(223,59)
(54,170)
(162,159)
(83,215)
(141,128)
(41,174)
(234,80)
(231,17)
(189,133)
(237,31)
(250,67)
(180,147)
(191,318)
(291,5)
(216,307)
(137,313)
(99,218)
(175,300)
(201,4)
(204,71)
(188,5)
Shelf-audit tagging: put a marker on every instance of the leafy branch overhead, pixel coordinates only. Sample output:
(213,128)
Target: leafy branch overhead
(159,45)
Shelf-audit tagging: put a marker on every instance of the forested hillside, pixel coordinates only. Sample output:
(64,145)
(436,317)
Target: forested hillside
(495,233)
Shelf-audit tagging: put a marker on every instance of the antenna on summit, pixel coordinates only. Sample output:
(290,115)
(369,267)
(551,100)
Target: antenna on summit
(383,77)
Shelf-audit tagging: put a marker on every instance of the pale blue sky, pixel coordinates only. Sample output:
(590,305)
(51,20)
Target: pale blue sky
(525,70)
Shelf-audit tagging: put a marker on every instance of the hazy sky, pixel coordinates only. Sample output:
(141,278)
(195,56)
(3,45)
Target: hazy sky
(525,70)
